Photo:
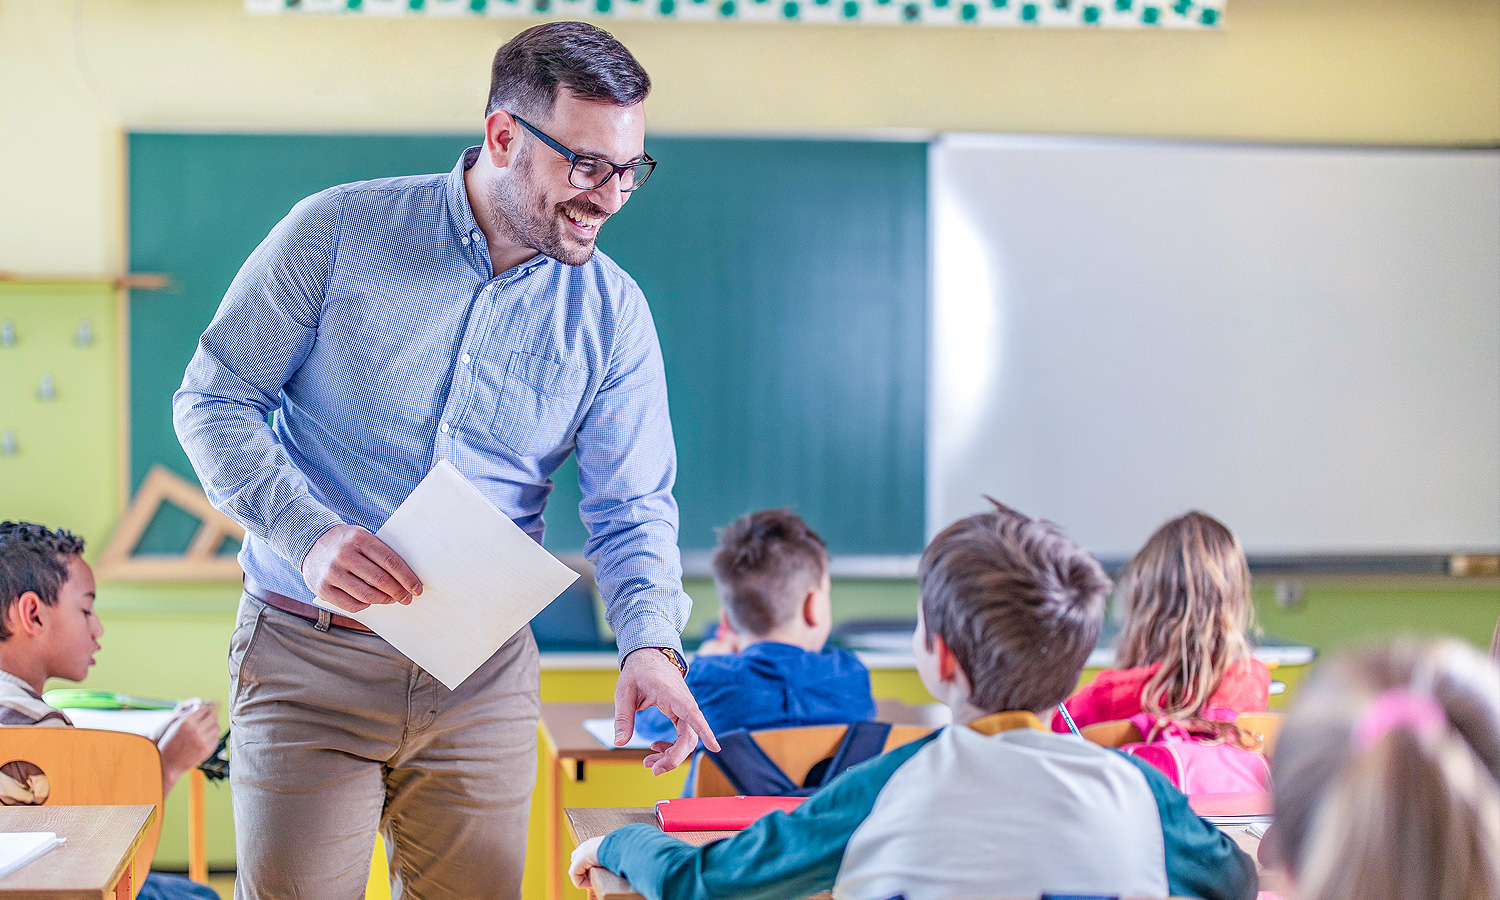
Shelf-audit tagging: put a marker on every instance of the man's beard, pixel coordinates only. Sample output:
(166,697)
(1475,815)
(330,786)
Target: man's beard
(520,213)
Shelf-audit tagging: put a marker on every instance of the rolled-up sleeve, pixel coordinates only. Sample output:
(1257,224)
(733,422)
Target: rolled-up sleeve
(627,463)
(263,331)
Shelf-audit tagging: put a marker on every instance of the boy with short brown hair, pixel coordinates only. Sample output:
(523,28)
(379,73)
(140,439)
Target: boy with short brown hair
(769,665)
(48,630)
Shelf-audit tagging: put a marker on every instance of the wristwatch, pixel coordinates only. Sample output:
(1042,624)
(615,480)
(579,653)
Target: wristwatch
(675,657)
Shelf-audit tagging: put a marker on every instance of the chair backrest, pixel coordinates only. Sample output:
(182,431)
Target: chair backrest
(1265,724)
(1114,733)
(1119,732)
(85,767)
(795,751)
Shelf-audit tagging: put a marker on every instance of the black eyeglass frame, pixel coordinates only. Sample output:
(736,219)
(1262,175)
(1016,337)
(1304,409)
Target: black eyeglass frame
(573,159)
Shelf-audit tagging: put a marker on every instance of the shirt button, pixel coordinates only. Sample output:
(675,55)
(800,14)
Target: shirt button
(474,234)
(443,428)
(466,357)
(464,240)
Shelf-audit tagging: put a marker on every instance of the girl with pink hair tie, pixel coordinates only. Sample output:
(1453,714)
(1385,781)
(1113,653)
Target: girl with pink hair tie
(1387,777)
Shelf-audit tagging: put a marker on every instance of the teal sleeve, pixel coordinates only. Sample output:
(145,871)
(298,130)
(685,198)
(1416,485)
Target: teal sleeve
(782,856)
(1202,861)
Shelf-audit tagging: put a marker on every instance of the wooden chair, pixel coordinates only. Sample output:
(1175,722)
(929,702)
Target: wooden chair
(1265,724)
(795,750)
(1114,733)
(1119,732)
(93,768)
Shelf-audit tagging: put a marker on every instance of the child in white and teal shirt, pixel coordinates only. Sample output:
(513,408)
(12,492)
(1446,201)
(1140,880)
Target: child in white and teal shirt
(994,806)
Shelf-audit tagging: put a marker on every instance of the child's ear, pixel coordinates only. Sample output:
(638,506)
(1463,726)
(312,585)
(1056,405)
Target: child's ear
(947,663)
(727,635)
(26,615)
(810,611)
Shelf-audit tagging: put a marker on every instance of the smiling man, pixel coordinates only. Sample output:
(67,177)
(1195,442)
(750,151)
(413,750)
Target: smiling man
(383,326)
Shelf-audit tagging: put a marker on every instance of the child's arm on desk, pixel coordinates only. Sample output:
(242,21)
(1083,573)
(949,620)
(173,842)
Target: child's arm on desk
(779,856)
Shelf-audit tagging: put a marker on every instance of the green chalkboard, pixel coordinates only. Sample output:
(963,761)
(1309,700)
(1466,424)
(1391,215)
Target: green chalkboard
(787,279)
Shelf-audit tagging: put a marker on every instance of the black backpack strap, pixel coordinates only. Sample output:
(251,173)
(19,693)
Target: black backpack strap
(749,769)
(863,741)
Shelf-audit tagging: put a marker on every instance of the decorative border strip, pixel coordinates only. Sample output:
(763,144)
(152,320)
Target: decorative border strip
(1202,15)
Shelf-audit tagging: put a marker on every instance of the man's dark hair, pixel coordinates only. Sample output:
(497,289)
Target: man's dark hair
(765,564)
(33,558)
(1017,602)
(588,61)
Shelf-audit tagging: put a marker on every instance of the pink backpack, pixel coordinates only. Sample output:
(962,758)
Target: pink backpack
(1196,766)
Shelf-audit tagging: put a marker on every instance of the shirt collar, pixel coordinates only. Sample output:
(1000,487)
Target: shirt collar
(1008,720)
(465,226)
(772,648)
(464,223)
(18,682)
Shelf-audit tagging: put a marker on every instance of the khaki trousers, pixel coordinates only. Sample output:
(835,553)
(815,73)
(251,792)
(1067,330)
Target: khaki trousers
(335,734)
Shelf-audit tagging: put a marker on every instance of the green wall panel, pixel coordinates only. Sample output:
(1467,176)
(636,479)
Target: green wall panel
(64,472)
(787,278)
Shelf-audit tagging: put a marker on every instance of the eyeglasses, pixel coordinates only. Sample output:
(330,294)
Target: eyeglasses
(590,173)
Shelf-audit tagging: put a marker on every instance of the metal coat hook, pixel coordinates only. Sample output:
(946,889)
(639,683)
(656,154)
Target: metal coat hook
(85,335)
(46,391)
(7,333)
(8,446)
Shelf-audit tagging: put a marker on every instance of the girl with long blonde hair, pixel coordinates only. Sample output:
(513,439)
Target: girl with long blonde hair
(1182,655)
(1387,775)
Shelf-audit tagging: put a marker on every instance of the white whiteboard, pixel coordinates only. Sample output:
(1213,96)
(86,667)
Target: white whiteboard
(1303,342)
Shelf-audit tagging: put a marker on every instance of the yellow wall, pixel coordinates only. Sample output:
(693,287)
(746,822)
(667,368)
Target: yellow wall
(72,75)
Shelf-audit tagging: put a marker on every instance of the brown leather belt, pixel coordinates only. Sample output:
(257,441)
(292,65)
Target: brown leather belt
(298,608)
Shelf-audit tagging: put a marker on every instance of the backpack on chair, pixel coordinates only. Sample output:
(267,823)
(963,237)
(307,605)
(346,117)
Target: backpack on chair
(1195,764)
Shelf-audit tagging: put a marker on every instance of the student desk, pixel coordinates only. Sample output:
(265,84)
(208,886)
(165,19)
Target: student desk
(94,863)
(606,885)
(567,749)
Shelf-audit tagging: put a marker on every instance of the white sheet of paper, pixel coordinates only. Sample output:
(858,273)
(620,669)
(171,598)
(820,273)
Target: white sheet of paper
(603,731)
(18,848)
(483,578)
(145,722)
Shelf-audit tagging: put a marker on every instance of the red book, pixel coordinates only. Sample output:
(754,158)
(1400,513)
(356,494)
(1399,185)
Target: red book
(718,813)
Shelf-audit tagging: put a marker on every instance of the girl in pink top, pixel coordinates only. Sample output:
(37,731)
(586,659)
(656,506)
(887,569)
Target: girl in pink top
(1183,650)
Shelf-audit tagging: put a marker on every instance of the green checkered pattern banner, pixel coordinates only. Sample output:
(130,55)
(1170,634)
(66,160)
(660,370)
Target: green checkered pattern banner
(1203,15)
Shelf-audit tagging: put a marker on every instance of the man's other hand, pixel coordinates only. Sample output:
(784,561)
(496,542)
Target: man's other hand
(353,569)
(647,679)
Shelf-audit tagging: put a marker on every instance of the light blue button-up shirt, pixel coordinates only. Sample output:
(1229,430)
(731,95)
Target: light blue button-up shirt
(369,326)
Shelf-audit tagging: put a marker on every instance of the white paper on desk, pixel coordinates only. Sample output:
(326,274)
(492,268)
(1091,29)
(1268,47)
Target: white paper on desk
(18,848)
(483,578)
(603,731)
(145,722)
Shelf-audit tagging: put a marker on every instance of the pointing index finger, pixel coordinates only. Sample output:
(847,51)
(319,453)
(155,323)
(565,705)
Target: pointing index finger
(699,725)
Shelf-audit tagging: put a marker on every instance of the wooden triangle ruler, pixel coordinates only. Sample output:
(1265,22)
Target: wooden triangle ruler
(200,562)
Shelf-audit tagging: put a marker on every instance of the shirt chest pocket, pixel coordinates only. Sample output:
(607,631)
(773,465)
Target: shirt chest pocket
(539,399)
